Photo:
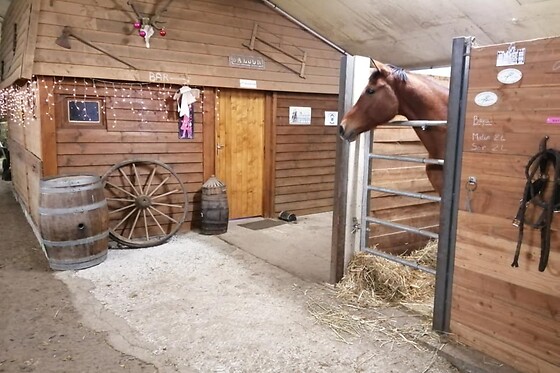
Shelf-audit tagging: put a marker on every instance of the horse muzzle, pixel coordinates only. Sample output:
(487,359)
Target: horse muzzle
(348,135)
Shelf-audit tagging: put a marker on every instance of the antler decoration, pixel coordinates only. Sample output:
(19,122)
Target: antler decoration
(146,23)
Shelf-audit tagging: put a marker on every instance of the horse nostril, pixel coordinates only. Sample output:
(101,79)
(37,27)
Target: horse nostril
(341,130)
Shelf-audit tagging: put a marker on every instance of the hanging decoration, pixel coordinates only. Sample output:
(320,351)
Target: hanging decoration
(18,103)
(186,97)
(147,103)
(146,24)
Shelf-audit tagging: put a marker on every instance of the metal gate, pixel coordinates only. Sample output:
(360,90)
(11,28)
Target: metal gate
(366,219)
(347,167)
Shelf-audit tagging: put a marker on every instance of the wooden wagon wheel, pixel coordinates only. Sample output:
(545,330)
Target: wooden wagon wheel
(147,202)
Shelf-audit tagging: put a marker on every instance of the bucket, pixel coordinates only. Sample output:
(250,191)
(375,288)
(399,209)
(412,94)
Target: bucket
(74,221)
(214,204)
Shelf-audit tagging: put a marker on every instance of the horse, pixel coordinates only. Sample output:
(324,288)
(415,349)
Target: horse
(393,91)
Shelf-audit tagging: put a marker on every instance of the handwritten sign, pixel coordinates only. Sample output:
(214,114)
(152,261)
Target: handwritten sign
(158,77)
(486,138)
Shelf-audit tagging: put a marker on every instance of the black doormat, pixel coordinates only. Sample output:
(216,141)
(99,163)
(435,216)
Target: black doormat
(262,224)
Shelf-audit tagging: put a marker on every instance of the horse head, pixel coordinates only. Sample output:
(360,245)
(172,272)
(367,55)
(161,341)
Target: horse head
(377,104)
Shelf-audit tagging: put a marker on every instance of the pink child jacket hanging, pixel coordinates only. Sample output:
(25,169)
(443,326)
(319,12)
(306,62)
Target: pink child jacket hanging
(186,97)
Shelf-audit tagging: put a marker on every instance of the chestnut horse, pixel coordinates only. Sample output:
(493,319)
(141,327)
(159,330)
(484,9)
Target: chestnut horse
(391,91)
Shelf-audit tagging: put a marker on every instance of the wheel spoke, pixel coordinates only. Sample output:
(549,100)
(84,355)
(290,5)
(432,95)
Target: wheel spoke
(137,178)
(119,199)
(165,194)
(159,186)
(122,208)
(121,189)
(157,222)
(167,216)
(134,224)
(125,218)
(167,204)
(146,225)
(129,182)
(150,178)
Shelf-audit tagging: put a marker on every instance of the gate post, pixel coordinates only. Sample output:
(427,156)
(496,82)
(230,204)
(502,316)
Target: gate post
(457,107)
(349,169)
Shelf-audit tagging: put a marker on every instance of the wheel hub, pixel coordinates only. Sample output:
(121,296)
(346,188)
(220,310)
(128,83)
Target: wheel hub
(143,202)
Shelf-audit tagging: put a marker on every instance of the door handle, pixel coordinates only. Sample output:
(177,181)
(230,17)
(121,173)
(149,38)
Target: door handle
(219,146)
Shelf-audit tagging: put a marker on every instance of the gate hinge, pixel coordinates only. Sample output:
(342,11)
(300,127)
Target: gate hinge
(355,225)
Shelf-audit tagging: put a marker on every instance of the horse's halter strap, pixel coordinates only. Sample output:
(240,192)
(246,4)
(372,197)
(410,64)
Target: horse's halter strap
(534,193)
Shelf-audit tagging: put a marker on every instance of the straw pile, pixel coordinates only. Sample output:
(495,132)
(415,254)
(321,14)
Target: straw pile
(374,281)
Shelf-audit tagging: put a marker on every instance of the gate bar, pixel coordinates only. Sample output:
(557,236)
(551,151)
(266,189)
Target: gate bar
(403,227)
(404,194)
(399,260)
(418,123)
(407,159)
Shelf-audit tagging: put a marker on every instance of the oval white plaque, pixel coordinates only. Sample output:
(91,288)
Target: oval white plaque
(509,76)
(486,99)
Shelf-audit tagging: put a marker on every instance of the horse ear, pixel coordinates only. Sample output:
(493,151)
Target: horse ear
(383,69)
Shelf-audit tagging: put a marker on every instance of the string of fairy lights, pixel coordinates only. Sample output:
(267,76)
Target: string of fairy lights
(18,103)
(130,101)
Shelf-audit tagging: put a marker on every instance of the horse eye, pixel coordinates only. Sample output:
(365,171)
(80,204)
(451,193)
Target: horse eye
(370,91)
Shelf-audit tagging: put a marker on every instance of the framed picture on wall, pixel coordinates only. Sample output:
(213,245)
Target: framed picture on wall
(87,112)
(300,115)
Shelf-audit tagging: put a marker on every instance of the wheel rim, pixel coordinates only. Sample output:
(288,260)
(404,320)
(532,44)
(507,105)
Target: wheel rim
(147,202)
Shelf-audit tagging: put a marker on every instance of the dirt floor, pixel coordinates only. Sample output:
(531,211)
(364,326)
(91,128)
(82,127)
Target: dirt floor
(40,329)
(196,304)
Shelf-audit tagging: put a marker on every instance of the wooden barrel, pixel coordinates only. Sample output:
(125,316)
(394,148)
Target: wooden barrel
(214,205)
(74,221)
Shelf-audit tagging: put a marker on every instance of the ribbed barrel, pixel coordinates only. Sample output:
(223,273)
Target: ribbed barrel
(74,221)
(214,204)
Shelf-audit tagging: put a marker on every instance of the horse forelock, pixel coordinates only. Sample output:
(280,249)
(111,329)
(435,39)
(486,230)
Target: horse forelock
(399,73)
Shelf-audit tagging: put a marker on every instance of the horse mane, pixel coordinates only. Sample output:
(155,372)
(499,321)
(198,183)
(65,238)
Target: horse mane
(399,73)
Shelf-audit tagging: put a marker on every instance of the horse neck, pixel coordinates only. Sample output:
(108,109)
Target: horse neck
(420,99)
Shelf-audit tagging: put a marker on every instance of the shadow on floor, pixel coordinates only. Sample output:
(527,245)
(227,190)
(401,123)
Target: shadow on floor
(302,248)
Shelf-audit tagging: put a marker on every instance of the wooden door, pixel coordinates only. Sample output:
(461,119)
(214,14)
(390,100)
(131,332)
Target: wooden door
(240,150)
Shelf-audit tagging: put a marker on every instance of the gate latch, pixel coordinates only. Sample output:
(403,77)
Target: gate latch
(355,225)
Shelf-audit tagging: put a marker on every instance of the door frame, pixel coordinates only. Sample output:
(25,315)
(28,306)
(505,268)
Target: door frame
(209,110)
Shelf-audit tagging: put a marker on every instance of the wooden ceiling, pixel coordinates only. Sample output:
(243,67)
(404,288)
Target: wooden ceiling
(419,33)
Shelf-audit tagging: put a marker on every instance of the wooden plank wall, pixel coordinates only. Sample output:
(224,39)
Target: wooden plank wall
(305,156)
(510,313)
(126,136)
(410,177)
(25,151)
(19,13)
(201,35)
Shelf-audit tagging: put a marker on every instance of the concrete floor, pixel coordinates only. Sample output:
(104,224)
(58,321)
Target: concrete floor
(302,248)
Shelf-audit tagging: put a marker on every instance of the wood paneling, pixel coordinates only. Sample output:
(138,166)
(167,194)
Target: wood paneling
(509,313)
(23,15)
(305,156)
(150,131)
(26,174)
(201,35)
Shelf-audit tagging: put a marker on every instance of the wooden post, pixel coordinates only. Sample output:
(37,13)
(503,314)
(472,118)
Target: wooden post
(49,151)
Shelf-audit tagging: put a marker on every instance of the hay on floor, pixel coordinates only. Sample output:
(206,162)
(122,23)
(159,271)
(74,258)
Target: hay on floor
(375,281)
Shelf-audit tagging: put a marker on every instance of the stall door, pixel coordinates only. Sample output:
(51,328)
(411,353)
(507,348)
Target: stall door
(240,150)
